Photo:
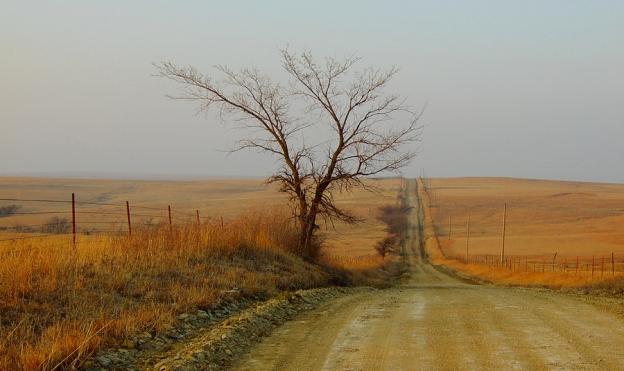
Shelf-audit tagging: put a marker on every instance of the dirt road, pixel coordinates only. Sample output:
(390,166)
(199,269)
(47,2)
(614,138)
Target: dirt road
(435,321)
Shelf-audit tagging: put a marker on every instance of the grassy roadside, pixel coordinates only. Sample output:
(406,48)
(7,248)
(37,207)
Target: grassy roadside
(582,283)
(58,305)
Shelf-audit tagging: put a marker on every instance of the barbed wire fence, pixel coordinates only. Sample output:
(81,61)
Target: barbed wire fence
(460,223)
(72,218)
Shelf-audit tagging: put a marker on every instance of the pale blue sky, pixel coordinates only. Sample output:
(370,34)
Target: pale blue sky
(514,88)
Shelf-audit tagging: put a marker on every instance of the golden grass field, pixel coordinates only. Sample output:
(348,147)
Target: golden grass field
(58,304)
(543,217)
(574,220)
(215,199)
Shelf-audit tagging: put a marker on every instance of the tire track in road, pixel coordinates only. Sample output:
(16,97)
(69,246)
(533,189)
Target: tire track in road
(308,347)
(435,321)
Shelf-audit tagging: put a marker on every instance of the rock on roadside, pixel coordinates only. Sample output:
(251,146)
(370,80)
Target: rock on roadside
(212,340)
(217,347)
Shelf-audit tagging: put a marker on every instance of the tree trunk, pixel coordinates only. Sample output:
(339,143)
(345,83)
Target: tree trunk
(306,243)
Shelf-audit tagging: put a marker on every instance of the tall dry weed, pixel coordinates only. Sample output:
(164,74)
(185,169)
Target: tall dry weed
(58,304)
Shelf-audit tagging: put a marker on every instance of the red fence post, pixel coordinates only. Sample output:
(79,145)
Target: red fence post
(504,226)
(129,222)
(467,236)
(74,218)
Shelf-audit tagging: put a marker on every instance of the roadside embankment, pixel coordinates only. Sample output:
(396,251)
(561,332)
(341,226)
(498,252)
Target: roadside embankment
(213,343)
(61,307)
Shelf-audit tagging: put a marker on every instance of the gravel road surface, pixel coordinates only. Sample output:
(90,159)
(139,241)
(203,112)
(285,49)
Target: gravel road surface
(437,321)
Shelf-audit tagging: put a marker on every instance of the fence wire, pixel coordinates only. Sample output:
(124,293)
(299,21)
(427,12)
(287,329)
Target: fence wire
(84,217)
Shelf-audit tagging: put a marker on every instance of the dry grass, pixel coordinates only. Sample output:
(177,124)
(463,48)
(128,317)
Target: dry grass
(214,199)
(555,280)
(353,241)
(352,248)
(59,305)
(369,270)
(544,217)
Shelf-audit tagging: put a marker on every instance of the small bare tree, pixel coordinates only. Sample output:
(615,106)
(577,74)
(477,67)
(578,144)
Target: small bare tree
(355,121)
(56,225)
(387,246)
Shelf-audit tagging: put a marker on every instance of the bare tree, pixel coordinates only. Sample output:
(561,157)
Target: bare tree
(364,129)
(56,225)
(387,246)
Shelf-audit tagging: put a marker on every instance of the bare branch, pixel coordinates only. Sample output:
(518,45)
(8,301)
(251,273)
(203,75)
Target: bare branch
(370,129)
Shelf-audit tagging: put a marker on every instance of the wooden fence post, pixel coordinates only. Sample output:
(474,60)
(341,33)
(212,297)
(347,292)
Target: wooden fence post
(198,222)
(129,221)
(169,210)
(553,262)
(74,218)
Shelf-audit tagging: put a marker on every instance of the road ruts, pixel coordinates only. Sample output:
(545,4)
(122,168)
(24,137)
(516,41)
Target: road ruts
(437,322)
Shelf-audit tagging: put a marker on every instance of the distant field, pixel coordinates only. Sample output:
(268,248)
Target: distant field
(543,217)
(214,199)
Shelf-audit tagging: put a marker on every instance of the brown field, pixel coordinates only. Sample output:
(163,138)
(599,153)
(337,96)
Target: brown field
(579,222)
(543,217)
(215,199)
(58,304)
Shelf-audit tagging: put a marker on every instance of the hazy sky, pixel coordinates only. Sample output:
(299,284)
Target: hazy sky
(514,88)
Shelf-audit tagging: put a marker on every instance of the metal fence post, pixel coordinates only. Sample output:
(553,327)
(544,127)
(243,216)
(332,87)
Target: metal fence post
(129,222)
(74,218)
